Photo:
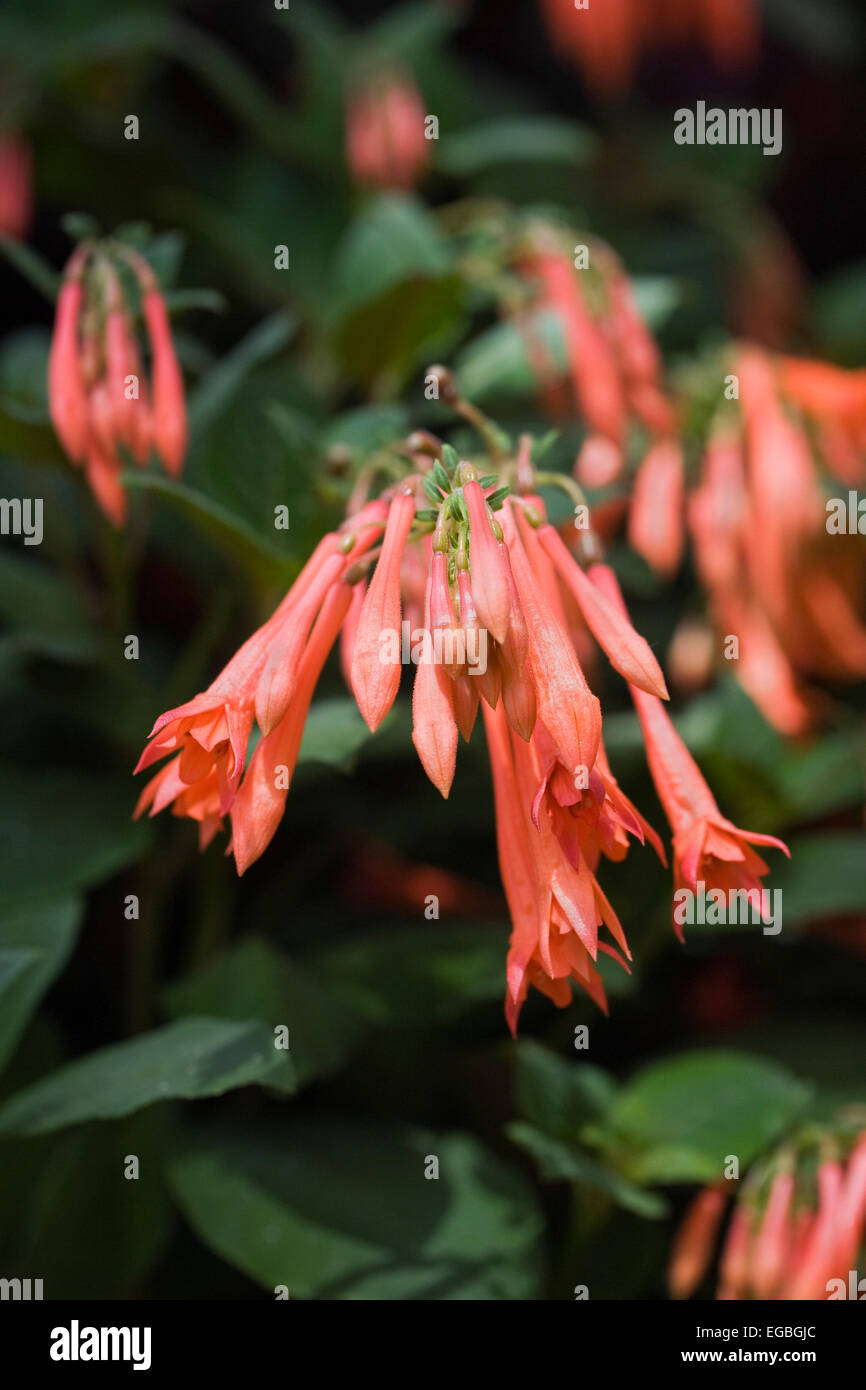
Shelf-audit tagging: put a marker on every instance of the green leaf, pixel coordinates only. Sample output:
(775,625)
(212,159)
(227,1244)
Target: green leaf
(395,291)
(256,982)
(70,1214)
(825,876)
(236,536)
(682,1117)
(416,974)
(187,1060)
(367,429)
(222,382)
(304,1208)
(497,361)
(394,239)
(333,733)
(31,265)
(23,373)
(63,830)
(559,1096)
(529,139)
(36,940)
(558,1162)
(43,612)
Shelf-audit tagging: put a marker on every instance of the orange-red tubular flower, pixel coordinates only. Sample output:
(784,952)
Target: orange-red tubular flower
(211,731)
(491,590)
(261,800)
(169,410)
(772,1242)
(628,652)
(693,1245)
(434,729)
(707,847)
(655,525)
(16,185)
(566,706)
(386,144)
(555,909)
(375,682)
(67,399)
(594,371)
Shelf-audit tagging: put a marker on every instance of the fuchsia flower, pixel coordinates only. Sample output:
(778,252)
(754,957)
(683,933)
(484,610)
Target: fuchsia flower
(498,596)
(98,395)
(797,1228)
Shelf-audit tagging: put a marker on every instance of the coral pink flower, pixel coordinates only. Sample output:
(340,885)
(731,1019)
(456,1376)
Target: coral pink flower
(491,589)
(211,731)
(692,1248)
(555,909)
(98,396)
(655,525)
(169,410)
(386,144)
(376,681)
(629,653)
(607,40)
(16,186)
(594,372)
(258,807)
(566,706)
(707,847)
(434,729)
(67,399)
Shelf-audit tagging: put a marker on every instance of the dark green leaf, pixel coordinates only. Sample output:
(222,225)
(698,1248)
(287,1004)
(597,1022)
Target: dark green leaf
(36,939)
(339,1211)
(255,981)
(192,1058)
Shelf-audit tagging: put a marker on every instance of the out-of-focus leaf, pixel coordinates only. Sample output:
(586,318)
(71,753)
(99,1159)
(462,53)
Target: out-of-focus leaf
(558,1161)
(394,239)
(333,733)
(529,138)
(42,612)
(559,1096)
(828,775)
(304,1208)
(395,292)
(189,1059)
(23,367)
(417,973)
(62,830)
(31,265)
(36,939)
(408,32)
(215,393)
(233,533)
(825,876)
(683,1116)
(73,1214)
(497,361)
(369,428)
(257,982)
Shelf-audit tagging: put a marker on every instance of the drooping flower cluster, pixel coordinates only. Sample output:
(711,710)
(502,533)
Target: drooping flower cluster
(797,1229)
(98,394)
(614,365)
(606,40)
(476,588)
(779,575)
(386,144)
